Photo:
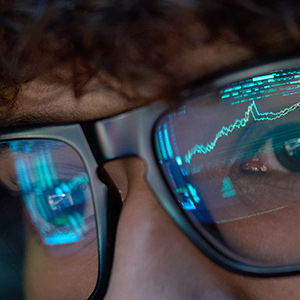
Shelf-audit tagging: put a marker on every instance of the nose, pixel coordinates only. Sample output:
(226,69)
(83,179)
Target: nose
(153,259)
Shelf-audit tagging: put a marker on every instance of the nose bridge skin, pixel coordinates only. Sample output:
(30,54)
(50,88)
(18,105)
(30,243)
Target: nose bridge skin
(130,134)
(153,259)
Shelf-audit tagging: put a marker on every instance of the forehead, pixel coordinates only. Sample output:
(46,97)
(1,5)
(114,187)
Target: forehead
(43,101)
(177,45)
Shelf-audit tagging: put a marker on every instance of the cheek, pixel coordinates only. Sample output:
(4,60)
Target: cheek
(50,277)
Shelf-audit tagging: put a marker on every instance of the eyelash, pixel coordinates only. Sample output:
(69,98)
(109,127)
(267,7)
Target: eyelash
(256,155)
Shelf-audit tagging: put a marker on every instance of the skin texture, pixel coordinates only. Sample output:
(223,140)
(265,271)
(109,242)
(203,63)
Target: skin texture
(153,259)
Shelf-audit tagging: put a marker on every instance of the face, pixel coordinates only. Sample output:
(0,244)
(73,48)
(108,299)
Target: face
(153,259)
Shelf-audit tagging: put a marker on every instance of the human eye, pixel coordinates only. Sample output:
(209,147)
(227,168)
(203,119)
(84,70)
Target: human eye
(267,175)
(271,167)
(233,165)
(280,152)
(256,206)
(55,193)
(47,217)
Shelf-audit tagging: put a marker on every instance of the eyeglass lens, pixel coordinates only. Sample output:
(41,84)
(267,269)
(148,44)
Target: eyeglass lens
(48,230)
(232,160)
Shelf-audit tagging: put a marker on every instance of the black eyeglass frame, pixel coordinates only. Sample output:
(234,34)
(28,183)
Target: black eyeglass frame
(131,134)
(114,142)
(73,135)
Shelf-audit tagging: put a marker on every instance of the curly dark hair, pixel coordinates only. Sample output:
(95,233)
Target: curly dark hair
(129,39)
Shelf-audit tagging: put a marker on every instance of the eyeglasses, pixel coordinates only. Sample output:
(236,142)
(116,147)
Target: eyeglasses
(225,165)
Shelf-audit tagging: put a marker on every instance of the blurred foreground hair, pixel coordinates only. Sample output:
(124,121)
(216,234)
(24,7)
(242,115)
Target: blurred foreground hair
(129,39)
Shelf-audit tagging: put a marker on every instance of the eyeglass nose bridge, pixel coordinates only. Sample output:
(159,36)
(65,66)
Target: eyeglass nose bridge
(128,134)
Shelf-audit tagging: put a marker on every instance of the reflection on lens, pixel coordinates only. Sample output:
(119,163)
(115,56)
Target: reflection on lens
(55,192)
(46,181)
(232,162)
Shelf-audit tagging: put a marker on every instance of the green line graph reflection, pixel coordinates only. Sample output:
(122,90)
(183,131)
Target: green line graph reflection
(253,111)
